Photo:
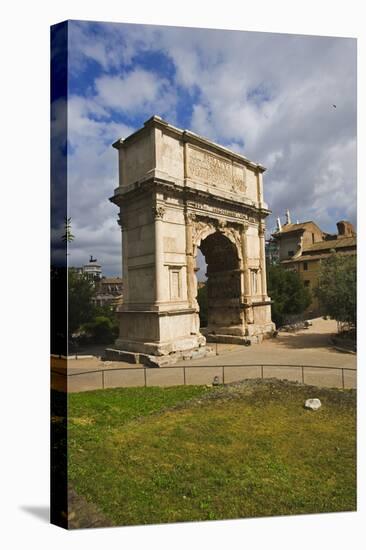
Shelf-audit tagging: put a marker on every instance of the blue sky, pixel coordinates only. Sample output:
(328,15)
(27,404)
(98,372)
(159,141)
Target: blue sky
(267,96)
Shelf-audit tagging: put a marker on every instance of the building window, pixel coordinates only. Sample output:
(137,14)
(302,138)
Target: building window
(313,237)
(290,253)
(307,283)
(305,266)
(175,284)
(254,281)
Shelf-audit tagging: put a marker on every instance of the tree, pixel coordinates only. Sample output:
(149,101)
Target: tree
(287,292)
(108,312)
(68,237)
(102,330)
(80,293)
(336,290)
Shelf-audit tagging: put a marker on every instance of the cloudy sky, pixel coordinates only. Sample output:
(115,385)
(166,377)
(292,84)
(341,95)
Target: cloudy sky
(267,96)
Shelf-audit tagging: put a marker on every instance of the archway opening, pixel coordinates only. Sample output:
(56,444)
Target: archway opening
(221,295)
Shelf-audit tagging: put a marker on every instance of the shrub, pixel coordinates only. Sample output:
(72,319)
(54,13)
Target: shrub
(101,330)
(288,294)
(336,290)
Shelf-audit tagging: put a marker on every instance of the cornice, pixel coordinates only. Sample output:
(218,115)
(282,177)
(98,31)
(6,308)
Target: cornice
(187,136)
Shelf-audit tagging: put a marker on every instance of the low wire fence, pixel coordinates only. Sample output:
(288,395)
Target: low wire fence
(176,375)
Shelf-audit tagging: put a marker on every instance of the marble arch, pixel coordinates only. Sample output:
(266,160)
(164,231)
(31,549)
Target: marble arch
(177,192)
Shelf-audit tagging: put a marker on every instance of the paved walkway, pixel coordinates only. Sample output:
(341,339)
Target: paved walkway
(306,347)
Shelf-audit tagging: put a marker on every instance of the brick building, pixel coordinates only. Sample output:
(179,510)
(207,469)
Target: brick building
(303,246)
(109,291)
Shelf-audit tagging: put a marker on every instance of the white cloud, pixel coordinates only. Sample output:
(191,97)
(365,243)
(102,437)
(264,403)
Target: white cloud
(101,44)
(139,90)
(268,96)
(92,176)
(88,120)
(291,123)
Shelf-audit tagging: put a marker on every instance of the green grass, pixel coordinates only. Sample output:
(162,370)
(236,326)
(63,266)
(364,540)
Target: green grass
(156,455)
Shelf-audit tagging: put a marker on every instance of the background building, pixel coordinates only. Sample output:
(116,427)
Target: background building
(109,291)
(92,269)
(303,246)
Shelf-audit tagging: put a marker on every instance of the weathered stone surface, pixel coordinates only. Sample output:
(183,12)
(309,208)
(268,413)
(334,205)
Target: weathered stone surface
(313,404)
(179,192)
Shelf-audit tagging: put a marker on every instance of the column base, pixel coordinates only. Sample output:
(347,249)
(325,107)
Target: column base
(154,361)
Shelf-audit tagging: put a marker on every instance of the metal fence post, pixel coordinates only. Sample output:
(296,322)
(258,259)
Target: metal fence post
(223,366)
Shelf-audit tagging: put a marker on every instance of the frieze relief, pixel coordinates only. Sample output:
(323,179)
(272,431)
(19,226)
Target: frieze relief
(220,211)
(202,228)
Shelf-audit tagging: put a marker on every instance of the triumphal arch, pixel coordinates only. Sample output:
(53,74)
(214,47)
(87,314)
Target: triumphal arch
(179,192)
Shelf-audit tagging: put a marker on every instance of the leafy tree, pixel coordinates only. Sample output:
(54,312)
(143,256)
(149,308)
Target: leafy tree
(68,237)
(107,311)
(288,293)
(336,290)
(101,330)
(80,293)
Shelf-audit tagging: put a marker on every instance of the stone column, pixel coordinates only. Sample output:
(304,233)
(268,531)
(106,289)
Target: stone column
(244,248)
(260,188)
(122,167)
(190,261)
(158,213)
(248,312)
(123,226)
(262,258)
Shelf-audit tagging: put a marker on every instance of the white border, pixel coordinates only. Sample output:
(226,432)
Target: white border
(24,361)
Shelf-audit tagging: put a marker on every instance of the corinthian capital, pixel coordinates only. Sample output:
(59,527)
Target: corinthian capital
(244,227)
(158,212)
(191,217)
(261,229)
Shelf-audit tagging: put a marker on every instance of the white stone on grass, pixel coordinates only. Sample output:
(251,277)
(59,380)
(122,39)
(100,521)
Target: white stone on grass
(313,404)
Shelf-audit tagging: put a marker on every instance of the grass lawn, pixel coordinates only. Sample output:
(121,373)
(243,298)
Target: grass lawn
(157,455)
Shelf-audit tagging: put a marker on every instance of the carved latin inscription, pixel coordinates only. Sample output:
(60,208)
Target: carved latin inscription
(215,171)
(215,210)
(239,178)
(209,168)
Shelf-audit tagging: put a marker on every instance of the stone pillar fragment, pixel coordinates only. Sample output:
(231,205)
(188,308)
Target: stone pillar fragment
(262,259)
(158,213)
(244,245)
(124,233)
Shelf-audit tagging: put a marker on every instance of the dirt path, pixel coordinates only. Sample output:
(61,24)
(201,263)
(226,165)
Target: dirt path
(84,514)
(306,347)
